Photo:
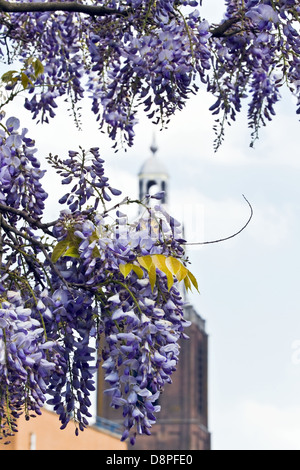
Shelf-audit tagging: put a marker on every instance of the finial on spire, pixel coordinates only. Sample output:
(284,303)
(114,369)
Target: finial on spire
(154,147)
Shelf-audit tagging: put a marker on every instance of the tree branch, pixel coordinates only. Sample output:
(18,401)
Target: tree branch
(27,7)
(33,222)
(222,29)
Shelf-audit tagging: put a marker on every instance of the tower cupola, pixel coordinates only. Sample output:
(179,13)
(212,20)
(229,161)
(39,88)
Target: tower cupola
(153,176)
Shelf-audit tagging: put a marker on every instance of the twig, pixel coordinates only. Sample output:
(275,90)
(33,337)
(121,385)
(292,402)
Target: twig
(8,229)
(230,236)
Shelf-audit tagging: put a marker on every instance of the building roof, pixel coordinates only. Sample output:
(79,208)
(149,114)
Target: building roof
(153,166)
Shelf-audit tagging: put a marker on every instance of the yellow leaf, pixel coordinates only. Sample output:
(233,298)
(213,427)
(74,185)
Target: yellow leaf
(152,276)
(160,262)
(170,266)
(187,283)
(125,269)
(176,267)
(138,271)
(145,261)
(182,273)
(72,252)
(193,280)
(173,264)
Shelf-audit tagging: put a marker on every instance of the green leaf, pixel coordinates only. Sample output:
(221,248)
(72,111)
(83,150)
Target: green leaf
(38,68)
(96,252)
(24,80)
(72,251)
(94,236)
(8,76)
(59,250)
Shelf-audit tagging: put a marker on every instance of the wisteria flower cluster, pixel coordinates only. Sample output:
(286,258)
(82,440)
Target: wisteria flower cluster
(154,55)
(101,291)
(256,52)
(25,367)
(140,51)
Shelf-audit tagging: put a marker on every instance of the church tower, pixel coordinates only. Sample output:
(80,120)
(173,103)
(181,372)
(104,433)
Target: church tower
(153,177)
(182,423)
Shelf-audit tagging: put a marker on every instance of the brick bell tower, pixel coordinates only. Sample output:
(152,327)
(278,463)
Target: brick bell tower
(182,423)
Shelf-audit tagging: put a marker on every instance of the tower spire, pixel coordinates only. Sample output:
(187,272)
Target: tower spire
(153,146)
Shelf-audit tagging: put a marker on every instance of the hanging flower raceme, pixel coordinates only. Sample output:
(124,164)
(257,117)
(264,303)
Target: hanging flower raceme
(154,55)
(20,171)
(255,48)
(25,368)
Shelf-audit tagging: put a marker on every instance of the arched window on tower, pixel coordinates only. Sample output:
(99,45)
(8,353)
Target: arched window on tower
(152,188)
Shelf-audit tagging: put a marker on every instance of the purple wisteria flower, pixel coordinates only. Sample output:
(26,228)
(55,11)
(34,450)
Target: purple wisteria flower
(256,57)
(263,16)
(141,326)
(25,367)
(154,56)
(20,171)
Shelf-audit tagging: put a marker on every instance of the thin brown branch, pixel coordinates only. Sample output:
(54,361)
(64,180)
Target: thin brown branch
(10,229)
(73,7)
(230,236)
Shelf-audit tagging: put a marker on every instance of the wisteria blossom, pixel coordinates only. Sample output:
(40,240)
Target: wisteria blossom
(60,298)
(154,55)
(92,289)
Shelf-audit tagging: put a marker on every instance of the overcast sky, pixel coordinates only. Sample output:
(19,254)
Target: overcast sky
(250,296)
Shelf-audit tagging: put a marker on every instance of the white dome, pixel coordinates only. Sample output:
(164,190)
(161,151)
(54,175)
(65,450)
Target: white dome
(153,166)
